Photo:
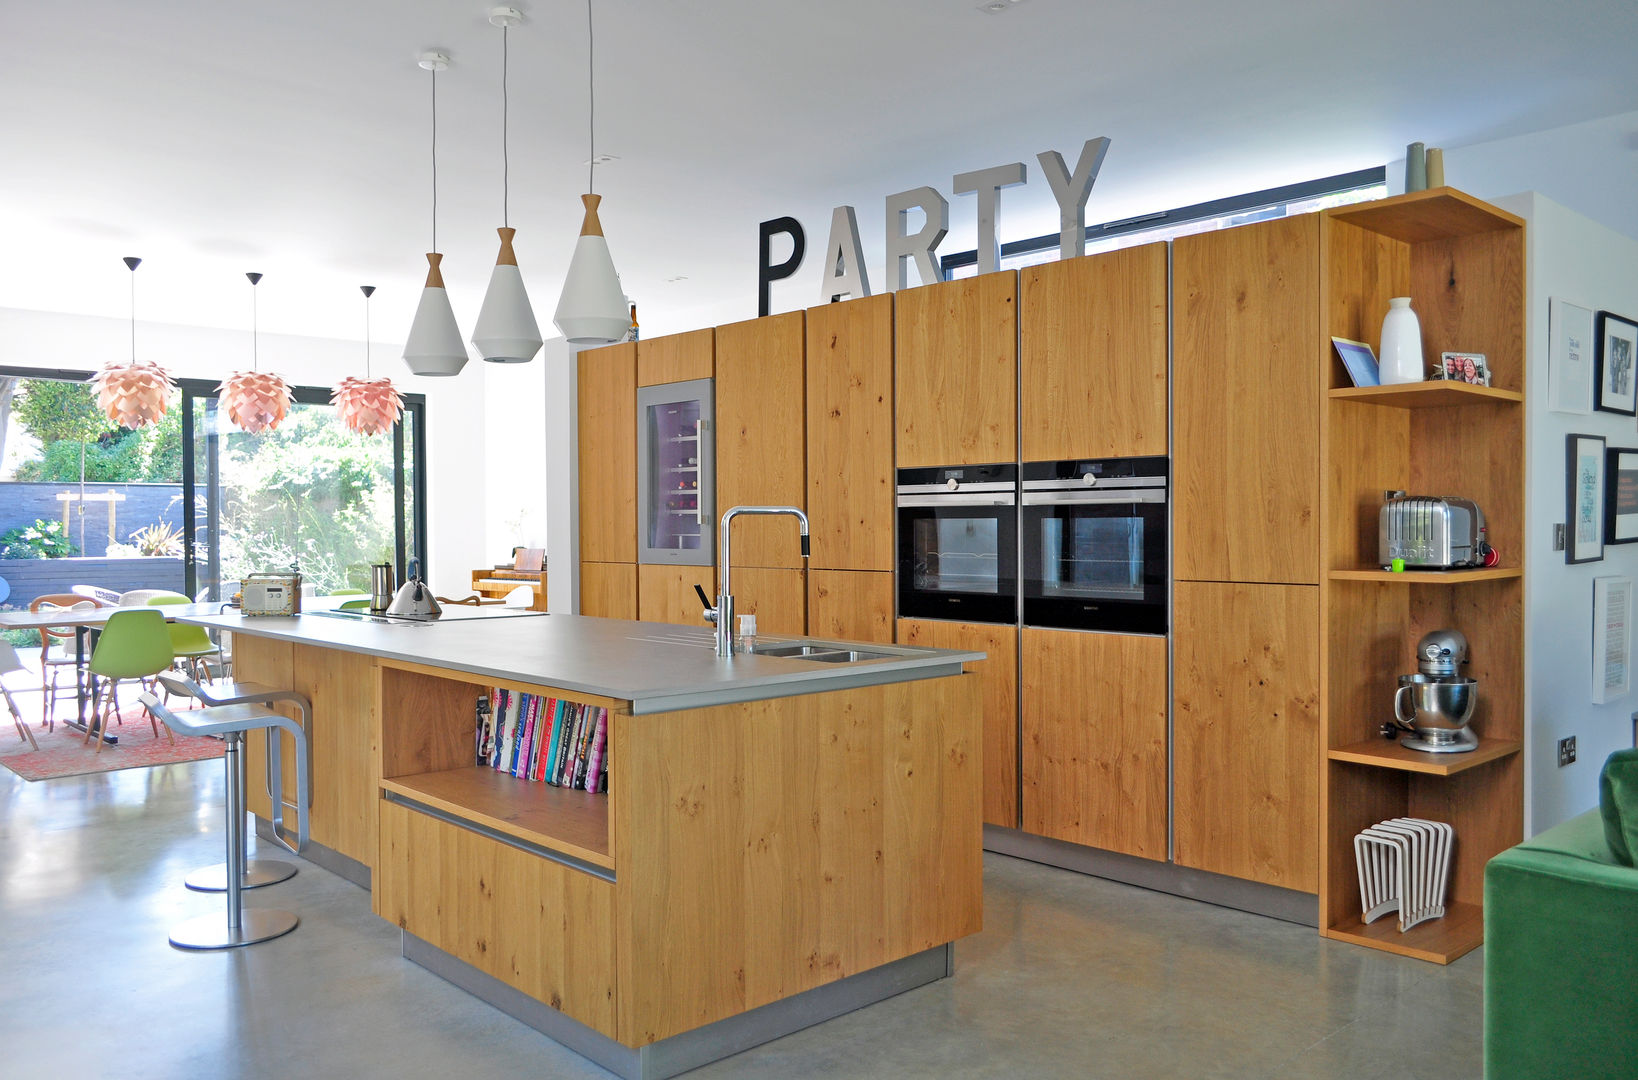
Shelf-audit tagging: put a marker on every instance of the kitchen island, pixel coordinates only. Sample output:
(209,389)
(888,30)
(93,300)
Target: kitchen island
(783,839)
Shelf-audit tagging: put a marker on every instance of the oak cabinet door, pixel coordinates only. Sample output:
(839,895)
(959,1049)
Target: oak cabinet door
(608,454)
(1093,356)
(854,605)
(1246,731)
(666,593)
(850,434)
(675,358)
(955,365)
(777,597)
(608,590)
(1245,403)
(762,434)
(1094,745)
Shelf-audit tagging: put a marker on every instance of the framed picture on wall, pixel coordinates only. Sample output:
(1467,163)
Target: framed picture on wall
(1585,482)
(1617,352)
(1612,638)
(1621,495)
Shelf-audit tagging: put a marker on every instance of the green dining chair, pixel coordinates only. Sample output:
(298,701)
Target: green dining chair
(135,644)
(352,605)
(348,592)
(191,644)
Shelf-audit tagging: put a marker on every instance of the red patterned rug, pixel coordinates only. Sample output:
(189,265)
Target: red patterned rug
(64,752)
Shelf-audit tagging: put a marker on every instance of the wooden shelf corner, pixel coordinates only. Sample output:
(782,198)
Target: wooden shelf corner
(1435,214)
(1428,577)
(1430,394)
(1388,754)
(575,823)
(1441,940)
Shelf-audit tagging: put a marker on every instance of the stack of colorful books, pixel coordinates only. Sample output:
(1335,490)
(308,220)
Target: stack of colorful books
(563,743)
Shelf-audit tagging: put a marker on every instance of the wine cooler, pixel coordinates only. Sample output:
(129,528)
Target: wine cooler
(676,504)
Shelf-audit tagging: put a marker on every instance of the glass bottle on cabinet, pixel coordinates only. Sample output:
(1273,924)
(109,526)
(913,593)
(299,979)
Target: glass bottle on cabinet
(676,505)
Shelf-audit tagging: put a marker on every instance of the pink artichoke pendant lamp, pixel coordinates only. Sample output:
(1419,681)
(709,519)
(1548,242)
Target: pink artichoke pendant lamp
(367,406)
(506,331)
(592,309)
(136,394)
(255,401)
(434,345)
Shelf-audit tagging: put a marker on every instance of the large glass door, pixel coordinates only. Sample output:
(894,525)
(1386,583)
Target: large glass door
(308,496)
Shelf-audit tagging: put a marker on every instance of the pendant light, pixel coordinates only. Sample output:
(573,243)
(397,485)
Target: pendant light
(506,331)
(434,346)
(254,400)
(367,406)
(592,309)
(137,394)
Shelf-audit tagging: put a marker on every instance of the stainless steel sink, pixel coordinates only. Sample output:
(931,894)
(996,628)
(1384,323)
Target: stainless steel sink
(821,652)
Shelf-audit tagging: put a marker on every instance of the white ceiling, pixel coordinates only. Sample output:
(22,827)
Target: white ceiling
(291,136)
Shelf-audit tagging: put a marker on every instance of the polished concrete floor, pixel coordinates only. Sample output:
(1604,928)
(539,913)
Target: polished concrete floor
(1071,977)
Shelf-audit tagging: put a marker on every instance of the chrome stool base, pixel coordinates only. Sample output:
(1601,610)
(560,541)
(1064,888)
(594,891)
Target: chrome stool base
(212,932)
(258,872)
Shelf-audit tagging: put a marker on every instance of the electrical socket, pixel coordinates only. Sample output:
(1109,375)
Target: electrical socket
(1566,751)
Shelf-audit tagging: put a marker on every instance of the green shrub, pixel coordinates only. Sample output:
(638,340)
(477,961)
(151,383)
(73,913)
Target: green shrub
(41,540)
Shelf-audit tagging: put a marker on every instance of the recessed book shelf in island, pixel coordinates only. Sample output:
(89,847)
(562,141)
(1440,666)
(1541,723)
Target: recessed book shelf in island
(430,751)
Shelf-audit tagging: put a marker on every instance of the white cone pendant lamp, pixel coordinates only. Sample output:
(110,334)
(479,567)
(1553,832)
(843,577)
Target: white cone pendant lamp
(506,331)
(367,406)
(434,345)
(593,309)
(136,394)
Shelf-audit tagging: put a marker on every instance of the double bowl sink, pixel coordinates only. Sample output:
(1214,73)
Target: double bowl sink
(820,652)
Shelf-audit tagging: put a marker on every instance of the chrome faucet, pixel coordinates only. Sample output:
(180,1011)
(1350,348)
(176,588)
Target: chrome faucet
(723,614)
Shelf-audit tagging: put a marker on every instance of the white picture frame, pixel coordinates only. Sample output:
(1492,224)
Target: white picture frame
(1570,357)
(1611,639)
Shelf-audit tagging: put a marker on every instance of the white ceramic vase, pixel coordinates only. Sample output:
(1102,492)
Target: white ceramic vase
(1400,356)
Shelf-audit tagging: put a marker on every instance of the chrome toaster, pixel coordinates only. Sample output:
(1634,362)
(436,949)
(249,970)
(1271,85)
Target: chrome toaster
(1431,532)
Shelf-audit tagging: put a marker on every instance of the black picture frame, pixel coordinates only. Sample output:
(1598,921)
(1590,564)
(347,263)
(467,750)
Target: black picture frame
(1621,495)
(1616,373)
(1584,498)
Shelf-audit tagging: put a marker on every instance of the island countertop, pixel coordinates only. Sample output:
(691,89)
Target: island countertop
(658,667)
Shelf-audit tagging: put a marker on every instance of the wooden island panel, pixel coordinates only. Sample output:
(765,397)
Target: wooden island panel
(774,846)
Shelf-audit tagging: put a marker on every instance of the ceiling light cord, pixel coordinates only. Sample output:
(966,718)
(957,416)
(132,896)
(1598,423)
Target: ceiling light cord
(506,164)
(591,95)
(133,316)
(434,159)
(255,332)
(367,337)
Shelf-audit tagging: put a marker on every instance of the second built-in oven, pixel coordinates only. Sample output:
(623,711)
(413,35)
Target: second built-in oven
(1094,544)
(958,543)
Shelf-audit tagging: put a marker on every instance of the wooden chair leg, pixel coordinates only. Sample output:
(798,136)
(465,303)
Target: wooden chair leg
(17,719)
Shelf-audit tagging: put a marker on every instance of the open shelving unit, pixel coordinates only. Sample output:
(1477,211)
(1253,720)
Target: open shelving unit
(1462,263)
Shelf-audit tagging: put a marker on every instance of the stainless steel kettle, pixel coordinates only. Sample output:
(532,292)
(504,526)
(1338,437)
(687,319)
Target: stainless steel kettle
(414,597)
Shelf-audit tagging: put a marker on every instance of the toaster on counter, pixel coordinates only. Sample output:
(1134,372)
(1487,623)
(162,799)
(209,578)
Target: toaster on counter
(1431,532)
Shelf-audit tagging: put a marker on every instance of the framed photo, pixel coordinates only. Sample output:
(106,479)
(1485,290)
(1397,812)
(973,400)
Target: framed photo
(1621,495)
(1612,639)
(1360,361)
(1570,356)
(1585,469)
(1468,367)
(1617,352)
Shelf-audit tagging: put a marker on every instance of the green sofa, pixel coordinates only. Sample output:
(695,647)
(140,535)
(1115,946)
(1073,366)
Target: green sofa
(1561,949)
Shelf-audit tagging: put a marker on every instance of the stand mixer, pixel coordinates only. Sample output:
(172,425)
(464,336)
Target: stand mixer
(1435,704)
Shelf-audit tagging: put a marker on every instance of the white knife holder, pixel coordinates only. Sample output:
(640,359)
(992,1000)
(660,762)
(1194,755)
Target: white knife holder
(1404,866)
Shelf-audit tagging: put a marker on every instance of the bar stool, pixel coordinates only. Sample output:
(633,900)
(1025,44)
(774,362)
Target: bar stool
(253,873)
(231,722)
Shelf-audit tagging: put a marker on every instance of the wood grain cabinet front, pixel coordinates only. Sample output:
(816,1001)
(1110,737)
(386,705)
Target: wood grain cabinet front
(675,358)
(1094,739)
(608,590)
(850,434)
(854,605)
(608,454)
(1246,731)
(1093,356)
(762,434)
(666,593)
(1245,403)
(955,364)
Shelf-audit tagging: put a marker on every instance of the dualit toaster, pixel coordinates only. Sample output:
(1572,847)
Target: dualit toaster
(1431,532)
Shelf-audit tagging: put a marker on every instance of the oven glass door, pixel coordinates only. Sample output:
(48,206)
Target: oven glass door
(1095,565)
(958,560)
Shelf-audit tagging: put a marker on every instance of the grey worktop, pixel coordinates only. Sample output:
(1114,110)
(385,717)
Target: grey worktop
(658,667)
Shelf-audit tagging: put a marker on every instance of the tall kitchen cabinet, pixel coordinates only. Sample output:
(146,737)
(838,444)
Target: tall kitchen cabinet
(1093,377)
(1245,551)
(607,453)
(762,461)
(849,408)
(1461,262)
(665,591)
(955,371)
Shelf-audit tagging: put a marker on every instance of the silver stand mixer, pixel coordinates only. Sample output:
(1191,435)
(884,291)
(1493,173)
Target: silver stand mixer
(1435,704)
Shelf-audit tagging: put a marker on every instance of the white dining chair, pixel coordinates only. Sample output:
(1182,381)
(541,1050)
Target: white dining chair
(10,662)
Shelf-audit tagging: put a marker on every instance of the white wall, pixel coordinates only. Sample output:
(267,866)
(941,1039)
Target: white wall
(1591,168)
(455,407)
(515,453)
(1579,260)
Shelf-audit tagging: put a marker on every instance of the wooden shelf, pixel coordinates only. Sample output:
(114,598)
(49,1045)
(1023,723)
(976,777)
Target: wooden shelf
(1429,577)
(1439,940)
(1431,394)
(1436,214)
(1388,754)
(573,822)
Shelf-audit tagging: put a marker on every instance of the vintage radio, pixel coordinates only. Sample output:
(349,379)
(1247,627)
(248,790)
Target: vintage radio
(271,594)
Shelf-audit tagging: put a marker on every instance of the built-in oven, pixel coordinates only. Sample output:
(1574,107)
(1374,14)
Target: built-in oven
(958,543)
(1094,544)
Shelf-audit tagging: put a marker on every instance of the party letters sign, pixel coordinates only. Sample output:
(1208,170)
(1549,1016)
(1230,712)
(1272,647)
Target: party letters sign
(844,274)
